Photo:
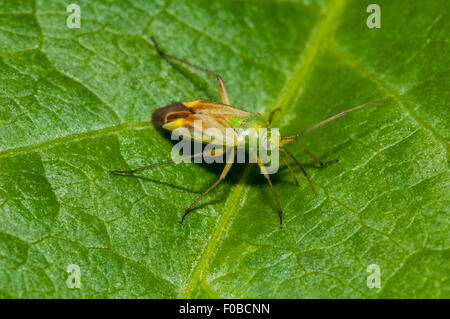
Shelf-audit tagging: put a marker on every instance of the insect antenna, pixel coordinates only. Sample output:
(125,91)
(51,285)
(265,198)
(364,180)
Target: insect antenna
(301,167)
(291,138)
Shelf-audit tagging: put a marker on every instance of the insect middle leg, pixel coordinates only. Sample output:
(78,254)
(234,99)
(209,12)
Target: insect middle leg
(222,88)
(221,178)
(266,175)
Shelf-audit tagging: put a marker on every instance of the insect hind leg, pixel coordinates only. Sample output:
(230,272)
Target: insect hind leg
(222,88)
(172,161)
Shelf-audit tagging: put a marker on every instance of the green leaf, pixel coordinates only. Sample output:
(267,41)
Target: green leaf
(76,103)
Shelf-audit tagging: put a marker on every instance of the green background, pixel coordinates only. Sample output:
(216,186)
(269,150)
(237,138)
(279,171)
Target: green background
(75,103)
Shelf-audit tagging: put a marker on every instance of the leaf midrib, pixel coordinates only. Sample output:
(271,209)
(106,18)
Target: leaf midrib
(293,85)
(387,88)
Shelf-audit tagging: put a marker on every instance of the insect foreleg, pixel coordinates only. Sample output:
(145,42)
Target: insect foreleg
(221,178)
(290,169)
(222,88)
(272,114)
(266,175)
(301,168)
(291,137)
(313,156)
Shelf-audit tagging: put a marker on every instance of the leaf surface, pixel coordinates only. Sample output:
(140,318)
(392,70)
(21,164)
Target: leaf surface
(76,103)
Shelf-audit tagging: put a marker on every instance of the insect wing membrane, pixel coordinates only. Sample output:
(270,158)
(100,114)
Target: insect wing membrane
(208,122)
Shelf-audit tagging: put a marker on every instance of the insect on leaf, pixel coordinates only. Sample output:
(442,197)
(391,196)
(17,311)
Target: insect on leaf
(76,103)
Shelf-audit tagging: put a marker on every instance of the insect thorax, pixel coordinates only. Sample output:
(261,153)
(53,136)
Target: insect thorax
(252,130)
